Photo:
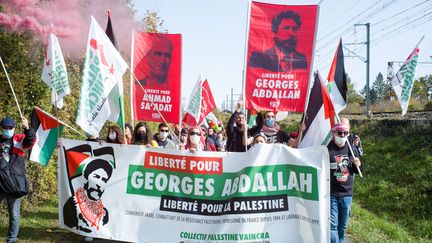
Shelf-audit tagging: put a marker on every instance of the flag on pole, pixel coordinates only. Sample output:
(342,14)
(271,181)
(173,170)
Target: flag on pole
(54,73)
(48,130)
(201,103)
(103,70)
(403,81)
(319,116)
(252,117)
(337,80)
(109,30)
(116,97)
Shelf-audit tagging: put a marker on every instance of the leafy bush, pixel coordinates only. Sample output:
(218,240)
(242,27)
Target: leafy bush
(428,105)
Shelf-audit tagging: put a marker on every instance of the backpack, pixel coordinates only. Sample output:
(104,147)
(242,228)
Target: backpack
(13,182)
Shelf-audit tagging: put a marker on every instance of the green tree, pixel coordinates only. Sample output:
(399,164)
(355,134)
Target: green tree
(154,23)
(352,96)
(422,88)
(373,97)
(380,88)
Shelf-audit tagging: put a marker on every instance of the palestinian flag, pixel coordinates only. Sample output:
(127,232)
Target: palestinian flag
(76,158)
(48,130)
(116,96)
(319,116)
(109,30)
(337,80)
(252,117)
(79,156)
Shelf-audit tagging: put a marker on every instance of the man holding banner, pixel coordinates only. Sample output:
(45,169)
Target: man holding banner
(283,56)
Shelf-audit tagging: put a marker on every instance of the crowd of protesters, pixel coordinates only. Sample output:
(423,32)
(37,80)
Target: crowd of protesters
(231,138)
(239,136)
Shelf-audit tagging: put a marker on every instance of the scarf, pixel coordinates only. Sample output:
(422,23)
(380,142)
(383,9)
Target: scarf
(270,131)
(93,211)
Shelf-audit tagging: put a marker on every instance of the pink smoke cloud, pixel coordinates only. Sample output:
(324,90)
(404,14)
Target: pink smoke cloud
(70,21)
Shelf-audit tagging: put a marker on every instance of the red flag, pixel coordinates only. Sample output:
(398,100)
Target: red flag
(201,103)
(156,63)
(279,56)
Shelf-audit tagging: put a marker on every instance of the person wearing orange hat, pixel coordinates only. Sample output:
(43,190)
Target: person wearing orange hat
(343,165)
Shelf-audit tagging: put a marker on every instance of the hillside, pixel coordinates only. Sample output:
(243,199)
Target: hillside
(393,202)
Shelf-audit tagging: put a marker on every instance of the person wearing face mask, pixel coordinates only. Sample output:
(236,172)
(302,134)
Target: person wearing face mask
(162,137)
(343,165)
(196,140)
(143,136)
(12,153)
(128,133)
(235,130)
(272,130)
(115,135)
(183,139)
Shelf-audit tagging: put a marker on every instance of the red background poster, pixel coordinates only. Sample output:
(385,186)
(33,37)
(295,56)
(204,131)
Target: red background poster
(157,67)
(280,48)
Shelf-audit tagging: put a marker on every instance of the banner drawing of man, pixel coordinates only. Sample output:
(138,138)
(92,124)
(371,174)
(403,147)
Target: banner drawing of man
(84,209)
(283,56)
(279,55)
(157,62)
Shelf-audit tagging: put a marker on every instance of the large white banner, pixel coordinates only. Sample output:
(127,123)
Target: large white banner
(271,193)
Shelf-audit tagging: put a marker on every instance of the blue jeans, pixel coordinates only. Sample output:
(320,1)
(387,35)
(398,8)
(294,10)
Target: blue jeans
(14,216)
(340,208)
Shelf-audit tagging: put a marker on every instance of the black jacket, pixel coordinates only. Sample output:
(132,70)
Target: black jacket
(342,170)
(19,144)
(235,136)
(269,60)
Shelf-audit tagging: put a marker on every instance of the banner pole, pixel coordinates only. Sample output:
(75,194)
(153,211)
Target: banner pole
(151,101)
(131,80)
(13,91)
(55,118)
(350,148)
(245,132)
(300,136)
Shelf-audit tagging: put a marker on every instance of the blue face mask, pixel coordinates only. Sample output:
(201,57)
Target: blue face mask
(8,133)
(270,122)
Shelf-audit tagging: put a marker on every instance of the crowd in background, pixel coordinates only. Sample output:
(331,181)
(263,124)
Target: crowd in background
(231,138)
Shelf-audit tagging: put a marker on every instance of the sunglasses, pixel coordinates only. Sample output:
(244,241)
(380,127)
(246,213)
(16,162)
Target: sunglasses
(163,130)
(195,133)
(342,134)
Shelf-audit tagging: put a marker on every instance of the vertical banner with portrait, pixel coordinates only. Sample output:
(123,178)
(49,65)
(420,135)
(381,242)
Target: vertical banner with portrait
(279,57)
(156,64)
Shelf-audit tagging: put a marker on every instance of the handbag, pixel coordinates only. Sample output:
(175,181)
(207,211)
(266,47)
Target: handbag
(13,182)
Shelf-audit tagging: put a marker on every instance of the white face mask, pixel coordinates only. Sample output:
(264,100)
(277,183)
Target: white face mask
(341,141)
(112,135)
(163,135)
(195,139)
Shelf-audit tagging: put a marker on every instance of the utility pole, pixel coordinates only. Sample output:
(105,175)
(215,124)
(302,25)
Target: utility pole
(232,100)
(367,61)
